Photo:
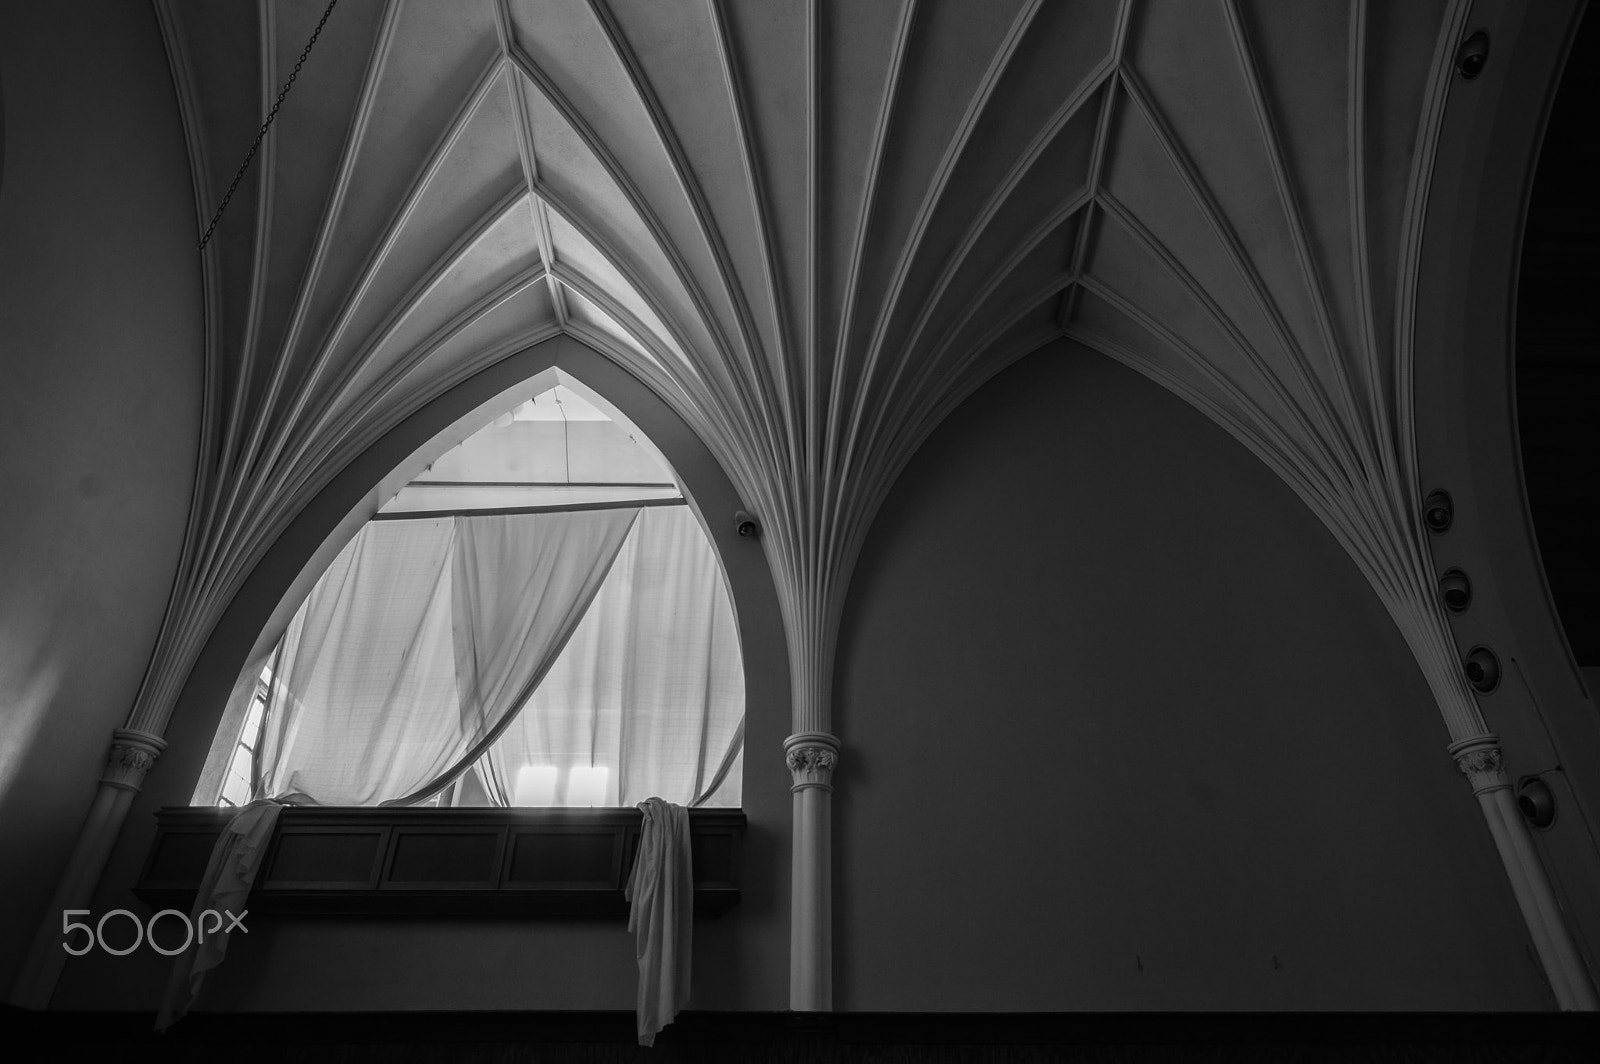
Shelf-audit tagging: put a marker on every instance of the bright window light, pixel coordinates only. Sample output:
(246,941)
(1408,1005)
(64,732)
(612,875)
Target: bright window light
(586,785)
(536,785)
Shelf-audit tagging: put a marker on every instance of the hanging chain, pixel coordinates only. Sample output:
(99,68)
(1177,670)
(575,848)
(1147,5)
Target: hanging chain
(239,176)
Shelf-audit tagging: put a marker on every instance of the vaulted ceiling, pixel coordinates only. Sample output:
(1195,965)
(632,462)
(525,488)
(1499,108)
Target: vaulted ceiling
(813,228)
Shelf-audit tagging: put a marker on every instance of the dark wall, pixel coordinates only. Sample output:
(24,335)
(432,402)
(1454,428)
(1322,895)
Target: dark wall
(1124,728)
(100,376)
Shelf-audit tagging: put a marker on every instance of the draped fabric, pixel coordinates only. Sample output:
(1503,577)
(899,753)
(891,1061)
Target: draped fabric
(225,889)
(521,586)
(650,688)
(661,890)
(422,640)
(365,703)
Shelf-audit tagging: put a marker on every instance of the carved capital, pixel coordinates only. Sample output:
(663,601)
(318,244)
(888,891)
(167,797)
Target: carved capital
(132,754)
(1482,762)
(811,757)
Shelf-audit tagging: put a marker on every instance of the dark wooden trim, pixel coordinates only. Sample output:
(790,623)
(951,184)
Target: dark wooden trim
(441,862)
(507,511)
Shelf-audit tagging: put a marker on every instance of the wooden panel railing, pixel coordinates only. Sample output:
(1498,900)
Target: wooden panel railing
(442,862)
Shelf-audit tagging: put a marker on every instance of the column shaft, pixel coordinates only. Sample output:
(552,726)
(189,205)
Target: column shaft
(1481,761)
(132,754)
(811,757)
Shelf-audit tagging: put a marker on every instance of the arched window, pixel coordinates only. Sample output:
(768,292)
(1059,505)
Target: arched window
(537,619)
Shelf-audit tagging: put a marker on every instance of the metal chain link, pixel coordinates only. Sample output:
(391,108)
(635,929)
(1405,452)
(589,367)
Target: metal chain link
(250,157)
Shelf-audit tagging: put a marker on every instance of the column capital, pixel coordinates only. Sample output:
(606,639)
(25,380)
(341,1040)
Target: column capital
(1482,762)
(811,757)
(132,754)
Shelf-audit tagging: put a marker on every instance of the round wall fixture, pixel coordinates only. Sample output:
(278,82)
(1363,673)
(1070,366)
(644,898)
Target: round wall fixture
(1482,668)
(746,525)
(1438,511)
(1455,590)
(1472,55)
(1537,801)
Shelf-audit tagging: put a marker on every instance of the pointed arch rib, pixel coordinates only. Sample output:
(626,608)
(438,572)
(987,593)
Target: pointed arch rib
(1327,425)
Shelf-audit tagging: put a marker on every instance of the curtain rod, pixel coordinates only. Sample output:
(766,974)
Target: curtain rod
(508,511)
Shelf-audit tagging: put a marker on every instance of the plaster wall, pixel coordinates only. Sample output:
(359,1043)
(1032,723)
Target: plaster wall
(1124,728)
(100,378)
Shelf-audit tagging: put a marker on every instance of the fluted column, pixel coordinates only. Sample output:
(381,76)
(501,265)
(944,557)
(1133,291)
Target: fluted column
(1482,762)
(811,757)
(132,754)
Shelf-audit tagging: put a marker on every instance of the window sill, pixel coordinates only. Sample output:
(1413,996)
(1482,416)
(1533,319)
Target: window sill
(442,862)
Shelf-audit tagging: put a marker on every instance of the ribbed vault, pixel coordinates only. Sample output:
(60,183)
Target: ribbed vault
(814,228)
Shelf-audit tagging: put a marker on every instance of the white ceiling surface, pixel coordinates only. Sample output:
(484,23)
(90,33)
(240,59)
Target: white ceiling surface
(813,228)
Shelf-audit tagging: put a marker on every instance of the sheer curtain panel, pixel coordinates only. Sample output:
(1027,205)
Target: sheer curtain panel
(420,642)
(648,699)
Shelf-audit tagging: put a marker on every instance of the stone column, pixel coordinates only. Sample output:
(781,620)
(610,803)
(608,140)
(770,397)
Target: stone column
(811,757)
(1481,761)
(132,754)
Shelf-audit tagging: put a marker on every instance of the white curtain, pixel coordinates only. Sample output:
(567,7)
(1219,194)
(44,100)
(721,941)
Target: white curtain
(661,916)
(420,641)
(521,586)
(224,890)
(650,687)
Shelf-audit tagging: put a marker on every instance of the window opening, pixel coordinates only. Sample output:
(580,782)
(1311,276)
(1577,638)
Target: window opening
(643,695)
(240,781)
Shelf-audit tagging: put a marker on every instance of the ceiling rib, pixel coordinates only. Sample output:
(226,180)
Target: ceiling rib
(1304,471)
(1408,260)
(459,251)
(261,247)
(355,135)
(233,453)
(1300,422)
(1235,415)
(614,308)
(1322,418)
(1283,184)
(1355,146)
(964,362)
(778,365)
(623,263)
(1002,192)
(1284,450)
(808,317)
(421,181)
(1097,153)
(530,164)
(345,419)
(317,404)
(874,486)
(971,120)
(927,368)
(699,381)
(713,373)
(762,387)
(887,108)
